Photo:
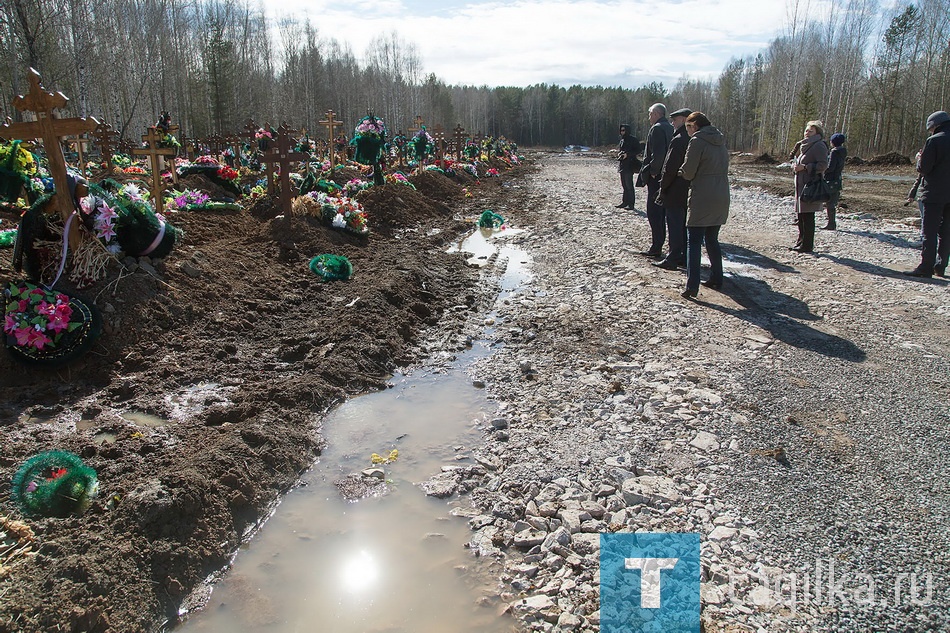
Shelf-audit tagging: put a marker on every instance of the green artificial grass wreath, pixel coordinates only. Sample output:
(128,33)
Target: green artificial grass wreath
(54,483)
(490,220)
(331,267)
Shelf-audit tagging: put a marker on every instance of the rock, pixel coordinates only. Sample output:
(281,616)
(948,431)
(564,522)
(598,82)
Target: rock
(722,533)
(559,536)
(568,621)
(649,490)
(440,486)
(705,441)
(377,473)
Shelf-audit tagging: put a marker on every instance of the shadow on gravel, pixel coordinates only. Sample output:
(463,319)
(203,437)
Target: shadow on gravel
(880,271)
(887,238)
(781,316)
(742,255)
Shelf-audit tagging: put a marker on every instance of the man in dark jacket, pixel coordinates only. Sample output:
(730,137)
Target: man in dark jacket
(658,143)
(934,167)
(628,163)
(674,192)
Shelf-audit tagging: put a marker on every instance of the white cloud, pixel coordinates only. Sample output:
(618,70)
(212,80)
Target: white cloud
(628,43)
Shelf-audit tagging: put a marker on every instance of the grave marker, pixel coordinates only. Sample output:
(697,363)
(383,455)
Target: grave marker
(153,151)
(107,140)
(330,124)
(459,141)
(282,155)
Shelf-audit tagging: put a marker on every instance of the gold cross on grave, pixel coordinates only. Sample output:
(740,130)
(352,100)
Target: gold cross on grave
(41,102)
(281,156)
(459,141)
(106,139)
(330,124)
(153,151)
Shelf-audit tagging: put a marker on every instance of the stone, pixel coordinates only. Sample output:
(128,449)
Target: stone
(705,441)
(649,490)
(377,473)
(722,533)
(440,486)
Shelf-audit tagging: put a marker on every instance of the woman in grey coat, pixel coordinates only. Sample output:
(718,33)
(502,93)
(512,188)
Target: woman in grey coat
(706,167)
(809,165)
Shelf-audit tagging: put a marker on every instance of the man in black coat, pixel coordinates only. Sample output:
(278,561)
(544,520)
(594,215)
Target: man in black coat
(934,167)
(674,192)
(658,143)
(627,165)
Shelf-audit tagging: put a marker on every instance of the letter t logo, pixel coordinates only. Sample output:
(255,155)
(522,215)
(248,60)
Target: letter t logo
(650,578)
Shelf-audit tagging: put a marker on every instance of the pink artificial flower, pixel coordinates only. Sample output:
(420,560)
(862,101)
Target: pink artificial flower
(57,323)
(23,335)
(107,213)
(38,339)
(22,305)
(105,231)
(46,309)
(9,324)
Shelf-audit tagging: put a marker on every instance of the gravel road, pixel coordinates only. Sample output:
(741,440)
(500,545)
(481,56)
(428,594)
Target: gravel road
(797,419)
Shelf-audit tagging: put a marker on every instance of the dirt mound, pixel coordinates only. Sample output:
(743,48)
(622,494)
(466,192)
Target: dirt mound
(392,207)
(765,159)
(264,207)
(436,185)
(202,183)
(891,158)
(855,160)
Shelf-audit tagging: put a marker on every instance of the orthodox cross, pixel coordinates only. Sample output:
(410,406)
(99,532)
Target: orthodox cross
(247,137)
(106,139)
(187,147)
(419,123)
(438,133)
(153,151)
(330,124)
(47,127)
(126,146)
(459,141)
(280,156)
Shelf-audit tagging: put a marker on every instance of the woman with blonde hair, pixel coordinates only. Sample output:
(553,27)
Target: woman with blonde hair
(810,164)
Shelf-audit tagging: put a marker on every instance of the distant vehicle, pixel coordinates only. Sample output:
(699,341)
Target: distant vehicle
(576,148)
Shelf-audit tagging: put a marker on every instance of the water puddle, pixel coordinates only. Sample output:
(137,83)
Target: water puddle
(140,418)
(392,563)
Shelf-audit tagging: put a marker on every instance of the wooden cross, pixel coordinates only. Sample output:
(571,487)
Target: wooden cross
(281,155)
(188,147)
(126,146)
(233,141)
(330,124)
(438,133)
(419,123)
(106,139)
(459,141)
(80,144)
(153,151)
(247,137)
(47,127)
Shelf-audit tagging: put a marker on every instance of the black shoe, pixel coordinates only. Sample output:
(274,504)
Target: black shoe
(690,294)
(622,206)
(652,253)
(666,264)
(799,249)
(940,272)
(829,227)
(715,285)
(926,274)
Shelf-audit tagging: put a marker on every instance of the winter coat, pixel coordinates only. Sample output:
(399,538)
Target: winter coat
(814,156)
(658,142)
(934,166)
(836,164)
(674,189)
(629,145)
(706,167)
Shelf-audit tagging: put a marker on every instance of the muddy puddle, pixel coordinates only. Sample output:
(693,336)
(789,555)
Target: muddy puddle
(390,563)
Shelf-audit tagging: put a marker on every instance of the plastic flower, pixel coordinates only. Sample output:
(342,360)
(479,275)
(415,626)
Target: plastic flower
(37,338)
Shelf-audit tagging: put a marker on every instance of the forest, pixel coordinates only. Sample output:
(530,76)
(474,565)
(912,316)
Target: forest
(872,71)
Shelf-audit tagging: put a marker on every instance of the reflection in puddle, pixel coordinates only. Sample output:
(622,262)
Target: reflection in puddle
(392,563)
(140,418)
(104,437)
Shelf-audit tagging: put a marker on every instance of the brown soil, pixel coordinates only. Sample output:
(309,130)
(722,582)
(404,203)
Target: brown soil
(242,349)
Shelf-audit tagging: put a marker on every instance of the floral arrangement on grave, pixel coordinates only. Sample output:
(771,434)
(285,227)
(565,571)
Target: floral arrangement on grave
(314,181)
(264,136)
(354,186)
(369,138)
(399,178)
(331,267)
(164,125)
(225,177)
(18,172)
(337,211)
(421,146)
(54,483)
(194,200)
(123,221)
(471,150)
(45,327)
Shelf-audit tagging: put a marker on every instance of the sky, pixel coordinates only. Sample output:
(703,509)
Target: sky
(524,42)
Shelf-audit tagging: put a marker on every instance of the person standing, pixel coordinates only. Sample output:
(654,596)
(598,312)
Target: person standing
(627,164)
(706,167)
(934,192)
(674,192)
(810,164)
(658,143)
(833,177)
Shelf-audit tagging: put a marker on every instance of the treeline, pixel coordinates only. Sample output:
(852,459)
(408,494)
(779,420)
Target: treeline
(213,64)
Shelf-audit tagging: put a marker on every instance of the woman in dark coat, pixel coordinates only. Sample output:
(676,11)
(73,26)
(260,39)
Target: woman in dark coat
(811,163)
(706,167)
(833,177)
